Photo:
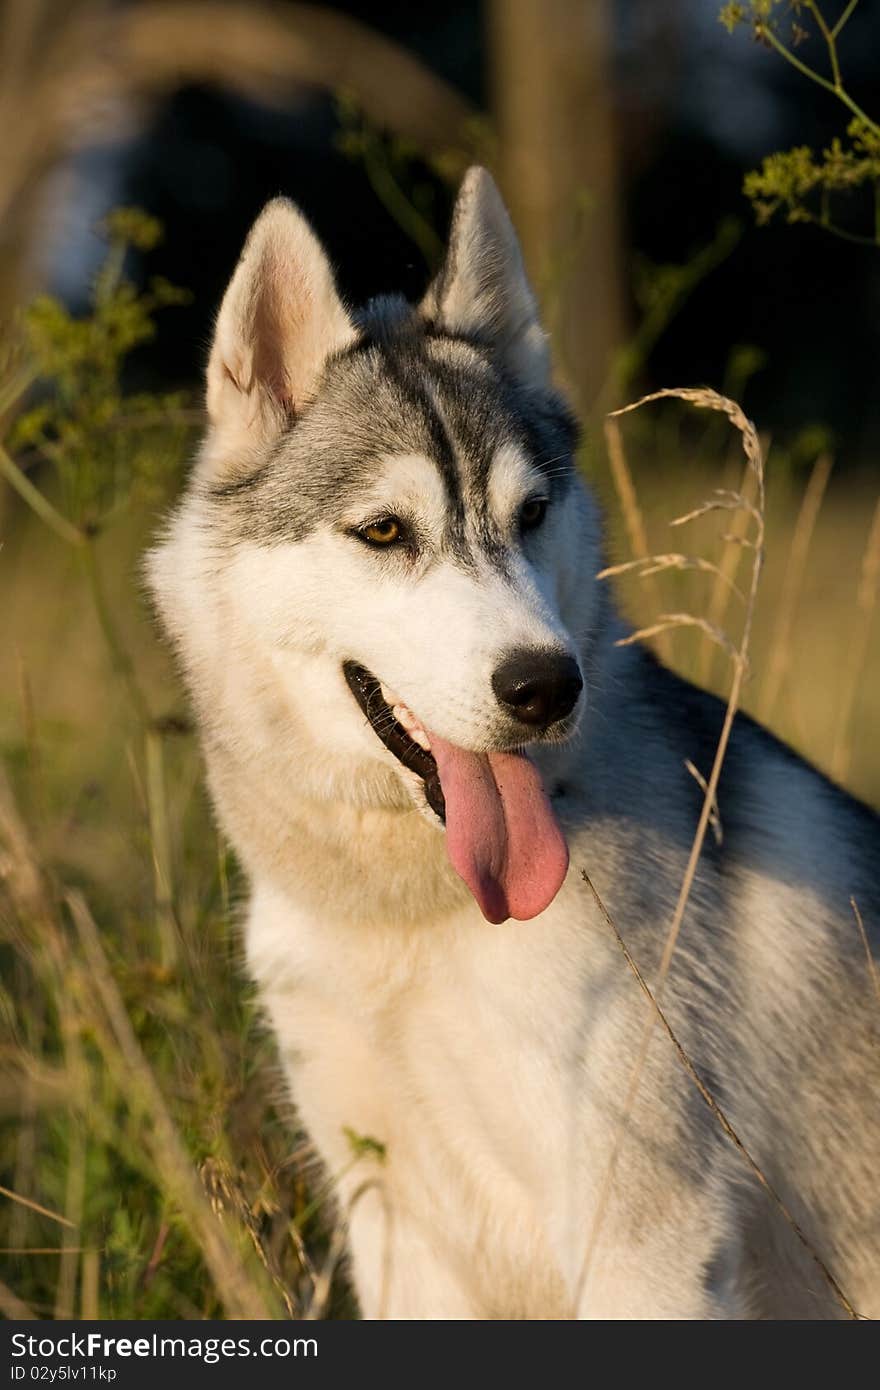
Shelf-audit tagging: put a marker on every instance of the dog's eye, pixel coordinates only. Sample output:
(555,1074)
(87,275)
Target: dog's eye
(532,513)
(385,531)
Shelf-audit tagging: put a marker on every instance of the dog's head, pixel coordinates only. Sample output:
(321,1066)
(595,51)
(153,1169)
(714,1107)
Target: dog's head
(395,504)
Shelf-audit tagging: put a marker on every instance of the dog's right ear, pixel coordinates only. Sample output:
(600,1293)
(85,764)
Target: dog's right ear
(280,320)
(482,289)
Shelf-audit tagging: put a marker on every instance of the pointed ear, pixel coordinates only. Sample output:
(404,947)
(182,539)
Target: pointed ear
(280,320)
(482,290)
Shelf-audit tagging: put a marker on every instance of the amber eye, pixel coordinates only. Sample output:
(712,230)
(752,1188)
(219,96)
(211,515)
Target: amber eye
(532,513)
(385,531)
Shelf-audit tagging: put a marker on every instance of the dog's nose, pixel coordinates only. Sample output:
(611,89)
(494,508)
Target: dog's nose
(538,687)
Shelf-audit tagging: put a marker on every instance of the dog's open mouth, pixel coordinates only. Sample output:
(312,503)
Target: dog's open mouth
(502,836)
(397,727)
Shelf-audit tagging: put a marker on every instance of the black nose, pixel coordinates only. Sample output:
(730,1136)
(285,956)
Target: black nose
(538,687)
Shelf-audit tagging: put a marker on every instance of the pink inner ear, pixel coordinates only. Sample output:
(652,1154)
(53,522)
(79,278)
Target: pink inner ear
(280,319)
(268,328)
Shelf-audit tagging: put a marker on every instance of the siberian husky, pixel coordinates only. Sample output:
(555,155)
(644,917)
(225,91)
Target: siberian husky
(419,731)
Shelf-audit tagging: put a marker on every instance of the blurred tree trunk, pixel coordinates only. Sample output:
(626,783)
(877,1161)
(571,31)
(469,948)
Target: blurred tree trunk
(73,72)
(552,98)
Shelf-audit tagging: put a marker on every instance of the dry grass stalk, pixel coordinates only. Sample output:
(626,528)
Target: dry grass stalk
(650,565)
(90,1282)
(43,1250)
(32,899)
(718,1113)
(88,997)
(666,621)
(68,1265)
(317,1307)
(723,499)
(13,1307)
(743,506)
(225,1194)
(240,1294)
(754,468)
(631,513)
(866,602)
(36,500)
(779,660)
(76,1072)
(714,813)
(19,867)
(869,954)
(338,1241)
(160,845)
(24,1107)
(36,1206)
(20,1071)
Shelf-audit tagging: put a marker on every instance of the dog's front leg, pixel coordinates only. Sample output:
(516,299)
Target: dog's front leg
(689,1267)
(344,1099)
(397,1271)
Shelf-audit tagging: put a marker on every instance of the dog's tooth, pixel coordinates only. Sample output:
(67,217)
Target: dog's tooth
(405,716)
(388,695)
(407,719)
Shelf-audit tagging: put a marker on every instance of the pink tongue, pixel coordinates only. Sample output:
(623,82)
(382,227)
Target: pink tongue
(501,834)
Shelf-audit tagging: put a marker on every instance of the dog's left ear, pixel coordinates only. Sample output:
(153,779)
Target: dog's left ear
(281,318)
(482,290)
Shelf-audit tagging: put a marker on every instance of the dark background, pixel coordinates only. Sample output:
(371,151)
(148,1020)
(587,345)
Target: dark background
(693,109)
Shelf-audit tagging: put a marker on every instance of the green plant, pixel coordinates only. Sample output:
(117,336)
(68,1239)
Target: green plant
(96,439)
(800,184)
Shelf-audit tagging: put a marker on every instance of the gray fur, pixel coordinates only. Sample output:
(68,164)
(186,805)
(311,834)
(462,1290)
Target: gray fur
(400,388)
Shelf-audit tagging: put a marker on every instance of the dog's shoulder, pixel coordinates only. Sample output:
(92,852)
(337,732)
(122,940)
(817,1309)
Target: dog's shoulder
(778,812)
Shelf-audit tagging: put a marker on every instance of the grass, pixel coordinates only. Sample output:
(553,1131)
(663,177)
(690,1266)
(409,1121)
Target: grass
(149,1161)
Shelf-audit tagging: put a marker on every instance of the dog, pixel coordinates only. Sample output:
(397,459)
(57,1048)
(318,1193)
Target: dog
(420,732)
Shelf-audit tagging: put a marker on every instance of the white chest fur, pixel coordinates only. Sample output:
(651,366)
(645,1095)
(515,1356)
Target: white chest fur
(457,1047)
